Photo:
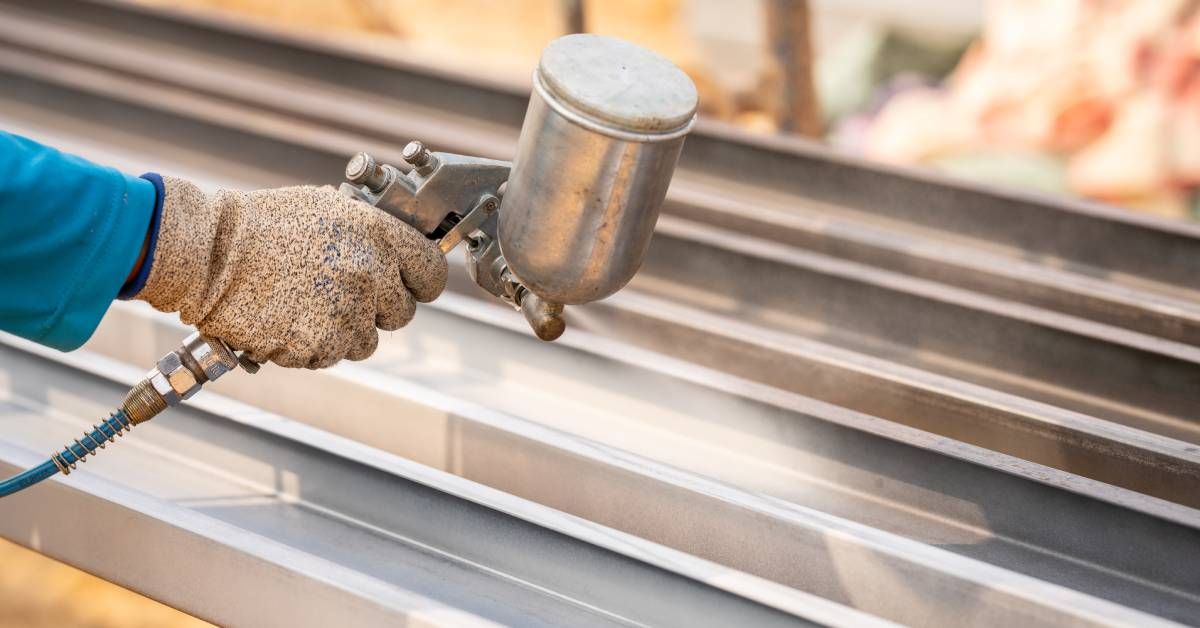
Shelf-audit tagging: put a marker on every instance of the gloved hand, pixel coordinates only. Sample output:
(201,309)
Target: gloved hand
(299,276)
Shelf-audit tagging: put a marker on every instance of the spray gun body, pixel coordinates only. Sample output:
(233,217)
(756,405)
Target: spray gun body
(569,221)
(452,199)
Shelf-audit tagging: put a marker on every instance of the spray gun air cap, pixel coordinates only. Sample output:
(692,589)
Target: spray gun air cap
(604,128)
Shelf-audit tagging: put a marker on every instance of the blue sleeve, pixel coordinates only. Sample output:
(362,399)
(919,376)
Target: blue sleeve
(70,232)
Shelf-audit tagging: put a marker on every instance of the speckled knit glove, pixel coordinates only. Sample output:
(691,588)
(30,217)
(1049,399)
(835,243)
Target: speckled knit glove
(299,276)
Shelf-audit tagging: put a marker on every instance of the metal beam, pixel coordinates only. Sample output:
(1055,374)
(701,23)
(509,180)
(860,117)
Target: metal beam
(291,469)
(380,537)
(615,414)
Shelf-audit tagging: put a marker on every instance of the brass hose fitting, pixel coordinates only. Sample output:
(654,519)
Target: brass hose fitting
(142,403)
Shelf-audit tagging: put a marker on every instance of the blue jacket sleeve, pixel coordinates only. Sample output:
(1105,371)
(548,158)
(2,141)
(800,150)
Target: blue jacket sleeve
(70,231)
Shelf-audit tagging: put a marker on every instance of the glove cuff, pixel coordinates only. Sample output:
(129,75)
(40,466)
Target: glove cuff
(179,268)
(134,286)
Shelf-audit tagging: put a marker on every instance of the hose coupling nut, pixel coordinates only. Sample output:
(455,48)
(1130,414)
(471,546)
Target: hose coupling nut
(172,380)
(178,375)
(212,355)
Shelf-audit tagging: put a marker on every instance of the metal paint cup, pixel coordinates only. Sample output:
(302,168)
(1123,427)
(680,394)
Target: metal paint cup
(601,137)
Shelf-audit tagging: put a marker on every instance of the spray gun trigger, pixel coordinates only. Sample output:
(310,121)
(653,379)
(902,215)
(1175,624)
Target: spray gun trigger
(469,224)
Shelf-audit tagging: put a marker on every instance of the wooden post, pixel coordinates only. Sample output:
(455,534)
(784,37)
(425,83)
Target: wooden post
(789,39)
(573,12)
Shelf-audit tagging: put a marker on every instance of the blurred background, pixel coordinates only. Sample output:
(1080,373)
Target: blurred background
(65,596)
(1098,99)
(1092,98)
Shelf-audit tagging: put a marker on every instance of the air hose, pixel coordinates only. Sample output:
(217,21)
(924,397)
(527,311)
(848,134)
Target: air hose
(176,377)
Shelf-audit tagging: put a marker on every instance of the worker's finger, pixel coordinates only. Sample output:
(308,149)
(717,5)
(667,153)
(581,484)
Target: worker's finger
(322,361)
(421,265)
(361,341)
(289,358)
(394,304)
(310,346)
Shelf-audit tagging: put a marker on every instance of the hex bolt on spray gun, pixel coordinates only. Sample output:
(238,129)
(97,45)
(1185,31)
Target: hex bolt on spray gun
(567,222)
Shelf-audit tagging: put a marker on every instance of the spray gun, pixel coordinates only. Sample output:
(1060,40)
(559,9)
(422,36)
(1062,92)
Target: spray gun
(567,222)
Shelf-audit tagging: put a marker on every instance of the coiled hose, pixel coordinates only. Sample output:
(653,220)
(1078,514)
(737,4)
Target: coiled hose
(103,432)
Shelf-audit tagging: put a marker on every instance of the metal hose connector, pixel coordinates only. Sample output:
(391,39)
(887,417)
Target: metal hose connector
(142,403)
(178,375)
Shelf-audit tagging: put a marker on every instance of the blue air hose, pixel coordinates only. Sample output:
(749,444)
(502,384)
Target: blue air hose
(103,432)
(28,478)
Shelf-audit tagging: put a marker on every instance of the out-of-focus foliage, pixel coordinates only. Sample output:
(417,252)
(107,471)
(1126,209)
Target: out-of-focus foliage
(1109,89)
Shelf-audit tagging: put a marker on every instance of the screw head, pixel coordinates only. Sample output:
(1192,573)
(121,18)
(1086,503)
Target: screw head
(360,168)
(248,365)
(415,153)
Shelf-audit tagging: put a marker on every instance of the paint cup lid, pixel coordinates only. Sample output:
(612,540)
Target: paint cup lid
(618,83)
